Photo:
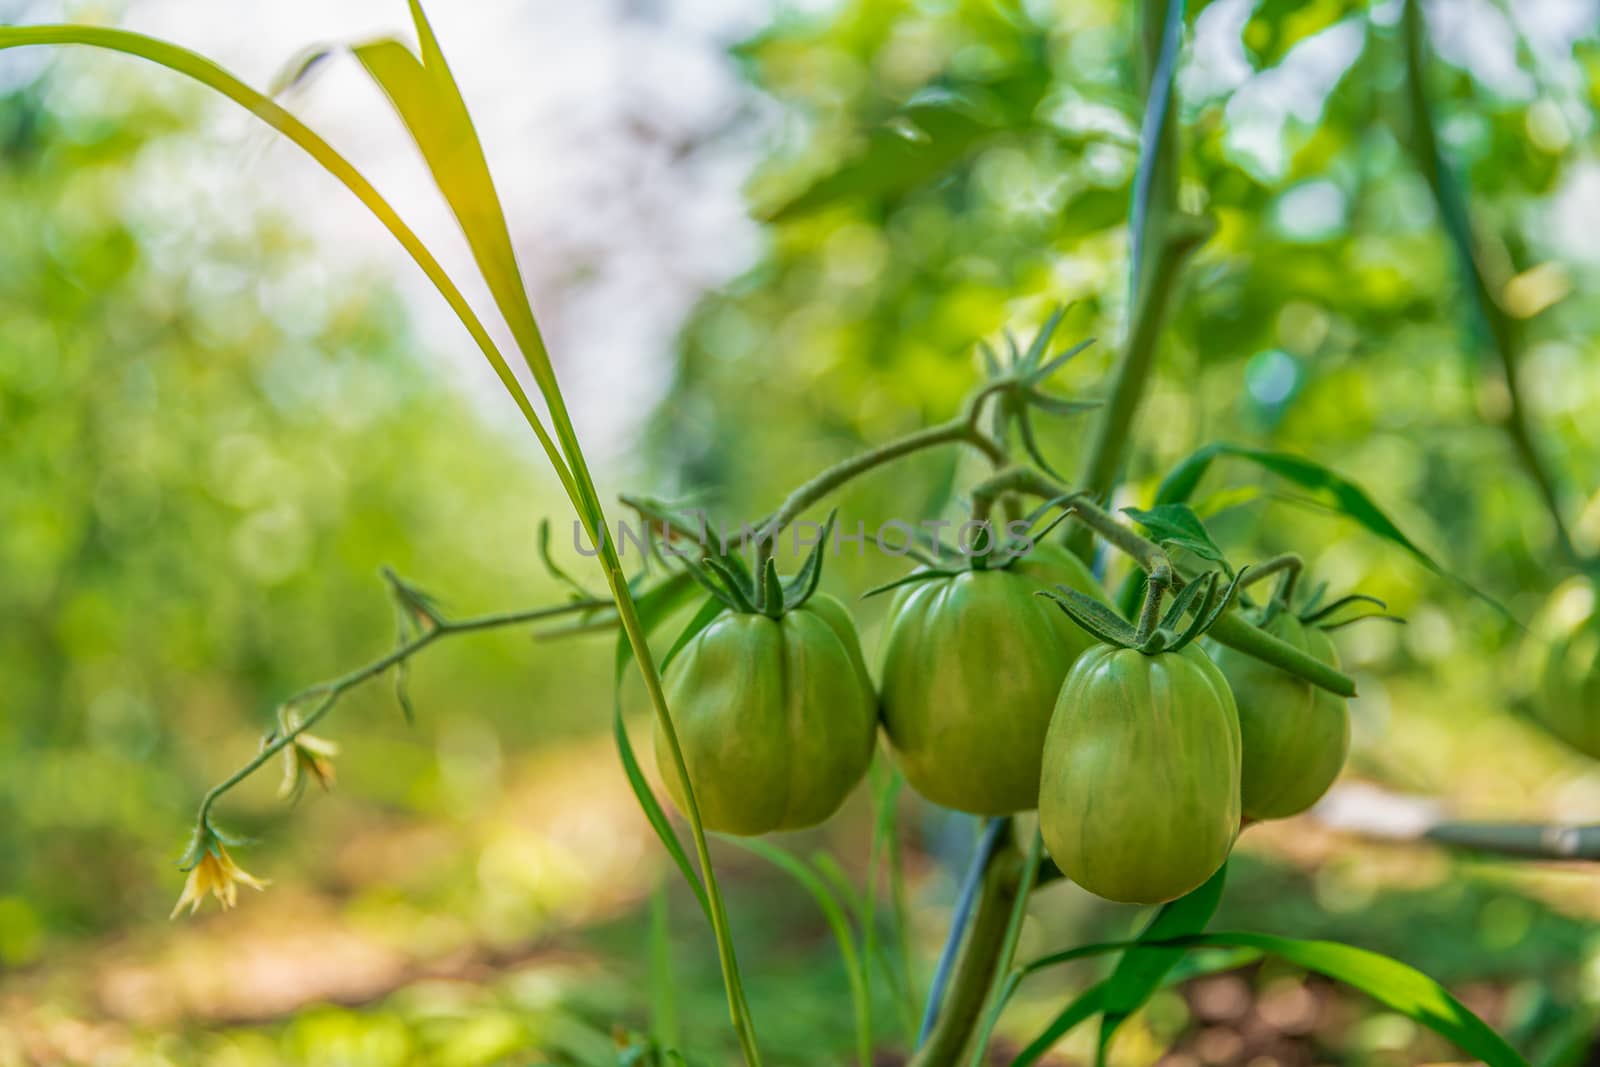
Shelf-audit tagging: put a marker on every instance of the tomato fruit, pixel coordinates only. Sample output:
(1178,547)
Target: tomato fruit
(1139,800)
(775,716)
(1296,735)
(972,664)
(1568,702)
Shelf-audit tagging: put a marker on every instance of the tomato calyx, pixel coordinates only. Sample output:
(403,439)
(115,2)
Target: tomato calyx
(1015,384)
(1156,633)
(732,583)
(947,562)
(1333,616)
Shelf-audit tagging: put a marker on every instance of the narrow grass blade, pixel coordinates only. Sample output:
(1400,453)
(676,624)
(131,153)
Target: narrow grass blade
(209,74)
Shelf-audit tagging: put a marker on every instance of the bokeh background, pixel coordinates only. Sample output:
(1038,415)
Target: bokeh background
(226,400)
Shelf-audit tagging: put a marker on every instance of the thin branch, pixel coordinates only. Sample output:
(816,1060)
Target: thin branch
(332,690)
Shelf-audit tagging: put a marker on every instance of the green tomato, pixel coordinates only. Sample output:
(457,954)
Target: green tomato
(972,664)
(1568,703)
(1140,796)
(1296,736)
(776,718)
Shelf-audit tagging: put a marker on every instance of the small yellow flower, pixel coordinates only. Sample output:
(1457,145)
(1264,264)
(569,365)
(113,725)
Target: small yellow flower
(217,874)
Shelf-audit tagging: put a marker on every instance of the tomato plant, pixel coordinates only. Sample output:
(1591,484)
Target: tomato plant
(1010,681)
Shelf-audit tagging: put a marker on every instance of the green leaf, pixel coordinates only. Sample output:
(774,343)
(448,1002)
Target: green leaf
(1094,209)
(664,1026)
(425,96)
(1397,986)
(1093,999)
(833,911)
(918,146)
(209,74)
(1140,971)
(1177,525)
(1079,1009)
(1341,494)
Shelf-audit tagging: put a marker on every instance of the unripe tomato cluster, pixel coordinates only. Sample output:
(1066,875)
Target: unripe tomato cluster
(1143,765)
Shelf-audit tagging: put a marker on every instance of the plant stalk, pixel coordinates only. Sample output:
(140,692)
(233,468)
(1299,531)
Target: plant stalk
(964,429)
(1158,242)
(977,964)
(331,691)
(1001,968)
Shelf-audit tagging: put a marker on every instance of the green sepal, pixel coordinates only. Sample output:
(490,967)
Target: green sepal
(207,838)
(1059,405)
(409,596)
(406,630)
(1029,362)
(576,587)
(1312,601)
(1311,618)
(1200,587)
(199,845)
(1030,443)
(716,577)
(1380,616)
(740,594)
(991,362)
(1060,361)
(1018,549)
(806,580)
(771,590)
(1093,616)
(911,579)
(1210,612)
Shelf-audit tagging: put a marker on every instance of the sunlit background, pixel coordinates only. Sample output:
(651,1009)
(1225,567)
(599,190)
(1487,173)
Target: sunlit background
(227,399)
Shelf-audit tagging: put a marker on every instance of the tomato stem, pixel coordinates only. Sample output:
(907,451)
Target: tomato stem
(979,960)
(1230,628)
(1155,589)
(1159,238)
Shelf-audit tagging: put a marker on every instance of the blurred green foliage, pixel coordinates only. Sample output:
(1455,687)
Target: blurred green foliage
(210,444)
